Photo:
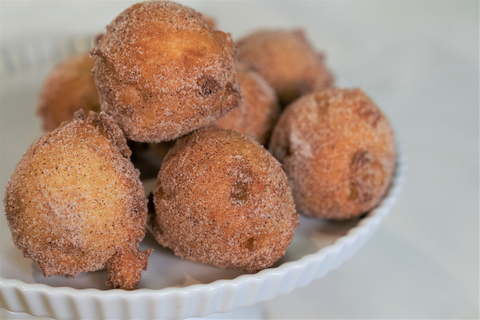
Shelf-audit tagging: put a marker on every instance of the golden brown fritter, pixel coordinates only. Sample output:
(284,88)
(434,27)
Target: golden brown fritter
(259,110)
(162,72)
(338,150)
(125,268)
(286,60)
(74,201)
(222,199)
(68,88)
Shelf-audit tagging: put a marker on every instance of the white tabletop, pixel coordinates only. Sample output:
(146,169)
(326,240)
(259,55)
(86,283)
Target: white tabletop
(420,62)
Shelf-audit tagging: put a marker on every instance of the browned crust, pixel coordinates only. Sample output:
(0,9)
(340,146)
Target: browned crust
(125,269)
(67,184)
(222,199)
(259,111)
(157,88)
(338,151)
(107,127)
(286,60)
(67,88)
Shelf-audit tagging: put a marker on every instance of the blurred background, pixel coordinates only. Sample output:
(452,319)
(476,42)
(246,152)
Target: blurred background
(419,60)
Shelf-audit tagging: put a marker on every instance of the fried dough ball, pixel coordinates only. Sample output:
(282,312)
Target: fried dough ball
(68,88)
(259,110)
(287,61)
(162,72)
(338,150)
(124,269)
(75,203)
(222,199)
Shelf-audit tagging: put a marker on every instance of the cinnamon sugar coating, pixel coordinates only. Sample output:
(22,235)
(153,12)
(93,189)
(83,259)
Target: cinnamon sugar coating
(125,268)
(68,88)
(163,72)
(222,199)
(75,200)
(286,60)
(259,110)
(338,151)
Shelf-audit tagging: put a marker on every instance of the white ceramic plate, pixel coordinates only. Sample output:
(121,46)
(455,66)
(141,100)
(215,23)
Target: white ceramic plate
(172,287)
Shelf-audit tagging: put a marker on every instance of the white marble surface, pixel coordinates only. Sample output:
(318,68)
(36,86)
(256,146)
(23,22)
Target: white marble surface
(420,62)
